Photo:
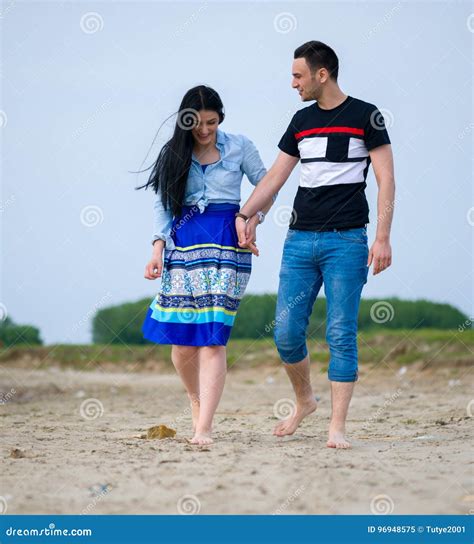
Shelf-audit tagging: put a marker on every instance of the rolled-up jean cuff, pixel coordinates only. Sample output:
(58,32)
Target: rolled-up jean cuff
(338,378)
(293,357)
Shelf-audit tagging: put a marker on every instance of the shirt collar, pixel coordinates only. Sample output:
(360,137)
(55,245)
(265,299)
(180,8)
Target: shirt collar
(220,137)
(220,141)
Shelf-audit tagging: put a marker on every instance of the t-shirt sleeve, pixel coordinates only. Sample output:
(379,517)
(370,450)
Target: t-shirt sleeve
(375,131)
(288,143)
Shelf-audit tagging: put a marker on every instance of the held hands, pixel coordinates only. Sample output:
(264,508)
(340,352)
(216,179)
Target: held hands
(381,255)
(247,233)
(154,268)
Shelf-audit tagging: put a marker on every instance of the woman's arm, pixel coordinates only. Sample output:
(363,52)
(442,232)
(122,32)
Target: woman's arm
(162,222)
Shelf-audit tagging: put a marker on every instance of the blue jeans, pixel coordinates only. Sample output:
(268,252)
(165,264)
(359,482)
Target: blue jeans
(337,259)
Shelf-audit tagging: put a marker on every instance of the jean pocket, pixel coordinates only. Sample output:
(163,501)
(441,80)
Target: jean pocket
(358,235)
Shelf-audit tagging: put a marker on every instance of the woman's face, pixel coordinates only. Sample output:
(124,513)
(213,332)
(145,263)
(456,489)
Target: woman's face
(205,130)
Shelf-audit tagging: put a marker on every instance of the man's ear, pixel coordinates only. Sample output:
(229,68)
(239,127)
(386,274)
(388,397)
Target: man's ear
(323,75)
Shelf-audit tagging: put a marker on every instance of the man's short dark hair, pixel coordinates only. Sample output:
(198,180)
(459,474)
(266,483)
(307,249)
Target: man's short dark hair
(319,55)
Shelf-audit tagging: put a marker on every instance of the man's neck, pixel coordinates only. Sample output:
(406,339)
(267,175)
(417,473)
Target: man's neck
(331,98)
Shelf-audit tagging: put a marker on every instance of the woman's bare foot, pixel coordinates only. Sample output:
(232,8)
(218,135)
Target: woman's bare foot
(202,438)
(289,426)
(337,438)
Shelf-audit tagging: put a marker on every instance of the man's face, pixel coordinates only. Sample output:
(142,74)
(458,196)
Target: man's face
(308,85)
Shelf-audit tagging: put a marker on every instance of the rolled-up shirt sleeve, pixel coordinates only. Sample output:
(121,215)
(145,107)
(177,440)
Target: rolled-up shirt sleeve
(162,222)
(252,165)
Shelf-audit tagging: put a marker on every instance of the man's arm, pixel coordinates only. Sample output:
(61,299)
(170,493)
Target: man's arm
(382,162)
(262,198)
(270,184)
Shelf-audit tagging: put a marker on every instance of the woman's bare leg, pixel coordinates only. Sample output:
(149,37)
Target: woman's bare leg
(213,369)
(186,362)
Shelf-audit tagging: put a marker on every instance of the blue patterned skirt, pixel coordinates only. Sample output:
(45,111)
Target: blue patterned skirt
(203,280)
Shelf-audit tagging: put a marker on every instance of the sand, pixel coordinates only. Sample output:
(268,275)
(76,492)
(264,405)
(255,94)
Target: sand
(410,430)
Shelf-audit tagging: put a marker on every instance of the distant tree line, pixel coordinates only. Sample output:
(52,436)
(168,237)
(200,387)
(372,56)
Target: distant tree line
(12,334)
(256,318)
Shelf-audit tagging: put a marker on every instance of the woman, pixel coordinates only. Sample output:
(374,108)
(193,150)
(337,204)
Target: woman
(197,178)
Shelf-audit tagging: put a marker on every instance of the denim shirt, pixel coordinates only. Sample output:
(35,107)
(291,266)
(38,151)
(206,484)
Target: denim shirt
(220,181)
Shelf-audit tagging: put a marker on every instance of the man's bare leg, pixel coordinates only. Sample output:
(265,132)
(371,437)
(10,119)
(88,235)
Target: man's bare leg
(341,394)
(305,402)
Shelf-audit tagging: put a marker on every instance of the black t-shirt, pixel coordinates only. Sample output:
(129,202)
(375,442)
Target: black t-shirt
(333,147)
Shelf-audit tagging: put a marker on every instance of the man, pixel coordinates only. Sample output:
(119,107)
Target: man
(336,139)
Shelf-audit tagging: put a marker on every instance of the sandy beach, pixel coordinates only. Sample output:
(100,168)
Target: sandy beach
(71,444)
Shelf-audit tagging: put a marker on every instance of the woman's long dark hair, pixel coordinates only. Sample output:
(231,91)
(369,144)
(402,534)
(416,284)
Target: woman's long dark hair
(171,168)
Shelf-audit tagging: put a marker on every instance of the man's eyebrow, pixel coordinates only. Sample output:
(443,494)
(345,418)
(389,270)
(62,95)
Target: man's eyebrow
(295,74)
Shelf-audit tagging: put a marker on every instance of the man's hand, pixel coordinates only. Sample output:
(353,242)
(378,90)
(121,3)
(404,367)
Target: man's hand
(244,235)
(251,234)
(381,255)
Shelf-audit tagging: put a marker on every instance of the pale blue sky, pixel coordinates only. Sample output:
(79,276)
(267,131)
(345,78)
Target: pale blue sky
(85,86)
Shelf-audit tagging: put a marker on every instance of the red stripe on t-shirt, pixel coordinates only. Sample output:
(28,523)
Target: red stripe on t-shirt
(326,130)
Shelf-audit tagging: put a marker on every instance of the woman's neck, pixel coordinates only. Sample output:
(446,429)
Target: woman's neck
(206,153)
(200,149)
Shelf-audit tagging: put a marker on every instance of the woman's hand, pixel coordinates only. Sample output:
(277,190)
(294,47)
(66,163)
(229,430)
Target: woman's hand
(154,268)
(246,232)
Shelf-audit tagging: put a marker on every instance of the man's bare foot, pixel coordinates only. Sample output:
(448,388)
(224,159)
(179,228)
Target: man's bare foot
(289,425)
(202,438)
(337,438)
